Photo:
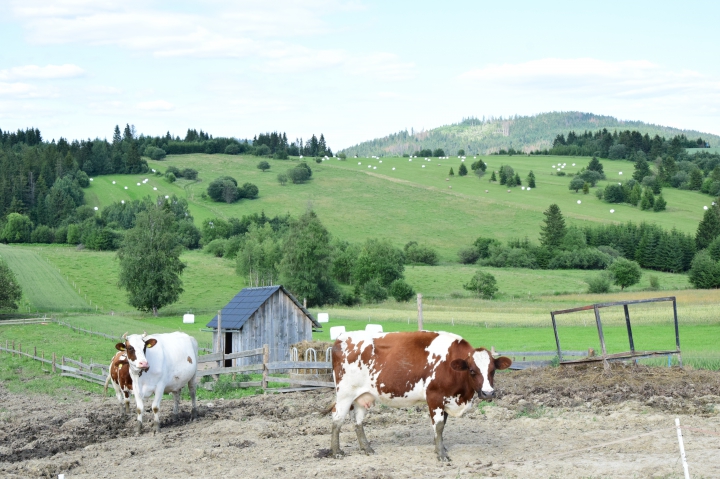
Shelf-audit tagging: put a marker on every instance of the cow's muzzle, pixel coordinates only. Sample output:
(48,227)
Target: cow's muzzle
(486,395)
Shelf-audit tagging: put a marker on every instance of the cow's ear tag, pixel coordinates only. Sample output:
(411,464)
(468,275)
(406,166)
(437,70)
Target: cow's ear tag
(120,346)
(459,365)
(151,342)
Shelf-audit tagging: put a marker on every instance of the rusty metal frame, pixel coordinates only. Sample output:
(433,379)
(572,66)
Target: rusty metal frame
(632,354)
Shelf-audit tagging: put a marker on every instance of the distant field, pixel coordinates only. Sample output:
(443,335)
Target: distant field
(44,287)
(409,203)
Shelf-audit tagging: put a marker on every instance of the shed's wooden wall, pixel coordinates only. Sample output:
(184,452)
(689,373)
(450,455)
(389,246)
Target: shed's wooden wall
(279,322)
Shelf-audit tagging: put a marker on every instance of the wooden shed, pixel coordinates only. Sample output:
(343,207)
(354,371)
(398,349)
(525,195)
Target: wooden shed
(265,315)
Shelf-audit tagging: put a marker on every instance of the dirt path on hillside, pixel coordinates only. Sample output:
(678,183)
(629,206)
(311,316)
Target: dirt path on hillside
(551,423)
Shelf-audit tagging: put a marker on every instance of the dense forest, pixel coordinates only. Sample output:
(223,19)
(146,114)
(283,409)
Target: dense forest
(482,136)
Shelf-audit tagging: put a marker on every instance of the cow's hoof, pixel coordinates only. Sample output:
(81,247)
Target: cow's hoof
(368,450)
(444,458)
(338,454)
(138,429)
(193,414)
(157,428)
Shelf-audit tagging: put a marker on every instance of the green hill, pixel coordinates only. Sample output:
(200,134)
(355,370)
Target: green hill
(525,133)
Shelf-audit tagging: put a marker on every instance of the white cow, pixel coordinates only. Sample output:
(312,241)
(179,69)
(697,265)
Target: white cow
(160,364)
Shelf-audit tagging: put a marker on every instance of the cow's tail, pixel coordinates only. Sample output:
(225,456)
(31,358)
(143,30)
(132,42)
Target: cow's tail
(328,409)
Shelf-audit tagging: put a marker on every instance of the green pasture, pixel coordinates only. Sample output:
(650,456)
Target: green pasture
(408,203)
(44,287)
(209,282)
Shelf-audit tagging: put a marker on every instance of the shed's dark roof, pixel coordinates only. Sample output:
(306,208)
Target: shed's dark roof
(236,313)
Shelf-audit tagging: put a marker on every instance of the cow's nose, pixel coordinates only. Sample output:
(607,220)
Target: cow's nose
(142,364)
(487,394)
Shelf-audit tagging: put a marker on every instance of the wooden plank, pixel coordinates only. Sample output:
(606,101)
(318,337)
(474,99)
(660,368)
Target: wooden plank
(299,365)
(244,354)
(78,372)
(622,356)
(541,353)
(77,363)
(209,358)
(306,382)
(100,366)
(289,390)
(70,375)
(519,365)
(233,369)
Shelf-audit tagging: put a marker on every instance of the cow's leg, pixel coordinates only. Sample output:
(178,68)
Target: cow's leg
(176,406)
(341,409)
(139,409)
(438,417)
(120,396)
(192,387)
(360,412)
(126,403)
(156,407)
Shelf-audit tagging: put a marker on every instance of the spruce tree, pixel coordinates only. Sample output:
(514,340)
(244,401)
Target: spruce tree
(696,179)
(531,179)
(462,171)
(493,177)
(503,177)
(660,204)
(595,165)
(642,169)
(553,231)
(586,188)
(709,227)
(517,180)
(452,173)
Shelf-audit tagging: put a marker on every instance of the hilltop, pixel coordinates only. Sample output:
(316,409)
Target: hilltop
(525,133)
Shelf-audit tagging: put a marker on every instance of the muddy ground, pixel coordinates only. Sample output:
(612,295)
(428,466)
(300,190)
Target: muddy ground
(555,422)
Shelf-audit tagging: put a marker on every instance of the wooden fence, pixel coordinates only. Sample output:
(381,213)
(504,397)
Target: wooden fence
(266,367)
(536,363)
(14,322)
(67,366)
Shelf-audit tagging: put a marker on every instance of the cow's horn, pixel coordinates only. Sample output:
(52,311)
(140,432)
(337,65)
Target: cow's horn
(469,354)
(124,336)
(144,334)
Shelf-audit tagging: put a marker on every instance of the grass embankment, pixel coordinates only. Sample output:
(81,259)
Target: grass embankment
(356,202)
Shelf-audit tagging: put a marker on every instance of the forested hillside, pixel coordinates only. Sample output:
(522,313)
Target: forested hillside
(522,133)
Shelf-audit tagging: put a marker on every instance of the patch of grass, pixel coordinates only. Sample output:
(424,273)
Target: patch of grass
(483,405)
(530,410)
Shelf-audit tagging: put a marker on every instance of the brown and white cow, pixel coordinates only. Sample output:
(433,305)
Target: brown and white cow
(119,376)
(407,369)
(160,364)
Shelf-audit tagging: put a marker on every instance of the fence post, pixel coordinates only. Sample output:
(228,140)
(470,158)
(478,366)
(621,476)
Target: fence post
(53,363)
(19,349)
(62,361)
(266,360)
(220,345)
(13,348)
(420,314)
(35,352)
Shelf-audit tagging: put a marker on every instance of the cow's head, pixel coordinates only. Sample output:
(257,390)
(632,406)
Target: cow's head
(480,368)
(134,347)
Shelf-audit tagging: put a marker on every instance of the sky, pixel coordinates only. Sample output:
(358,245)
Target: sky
(352,70)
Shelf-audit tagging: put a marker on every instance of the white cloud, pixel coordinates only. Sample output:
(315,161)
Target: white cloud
(156,105)
(48,72)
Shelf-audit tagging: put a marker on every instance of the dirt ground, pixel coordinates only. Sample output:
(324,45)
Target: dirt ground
(556,422)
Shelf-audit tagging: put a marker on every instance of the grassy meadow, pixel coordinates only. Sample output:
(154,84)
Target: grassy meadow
(405,200)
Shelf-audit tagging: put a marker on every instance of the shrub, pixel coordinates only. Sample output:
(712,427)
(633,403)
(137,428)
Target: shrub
(60,236)
(461,152)
(704,272)
(282,178)
(216,247)
(401,291)
(42,234)
(73,234)
(576,184)
(415,253)
(591,177)
(189,173)
(174,170)
(233,149)
(482,245)
(233,245)
(318,160)
(479,165)
(452,173)
(614,194)
(17,228)
(468,255)
(223,189)
(625,272)
(170,177)
(82,179)
(483,285)
(373,291)
(155,153)
(262,150)
(349,299)
(438,152)
(263,166)
(249,191)
(502,256)
(587,258)
(598,284)
(281,154)
(654,282)
(299,174)
(188,234)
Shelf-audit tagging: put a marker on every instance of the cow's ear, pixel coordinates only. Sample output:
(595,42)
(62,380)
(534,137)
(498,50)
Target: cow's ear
(151,342)
(120,346)
(502,362)
(459,365)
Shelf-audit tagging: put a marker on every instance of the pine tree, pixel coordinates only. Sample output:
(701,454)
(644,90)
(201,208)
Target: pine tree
(493,177)
(531,179)
(586,188)
(709,227)
(595,165)
(696,179)
(510,182)
(553,231)
(642,169)
(660,204)
(517,180)
(452,173)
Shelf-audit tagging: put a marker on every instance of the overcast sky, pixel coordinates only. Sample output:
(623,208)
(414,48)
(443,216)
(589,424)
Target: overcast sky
(352,70)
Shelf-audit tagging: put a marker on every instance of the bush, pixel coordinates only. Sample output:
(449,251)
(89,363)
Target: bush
(704,272)
(262,150)
(174,170)
(42,234)
(468,255)
(223,189)
(263,166)
(654,282)
(188,234)
(189,173)
(82,179)
(599,284)
(233,245)
(282,178)
(415,253)
(170,177)
(437,152)
(625,272)
(216,247)
(373,291)
(17,228)
(233,149)
(60,236)
(299,174)
(483,285)
(73,234)
(249,191)
(401,291)
(591,177)
(482,245)
(614,194)
(501,256)
(281,154)
(577,184)
(155,153)
(586,258)
(349,299)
